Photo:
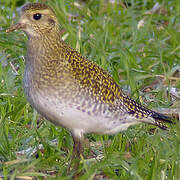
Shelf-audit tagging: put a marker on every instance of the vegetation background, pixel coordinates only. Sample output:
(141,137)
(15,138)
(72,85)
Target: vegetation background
(138,42)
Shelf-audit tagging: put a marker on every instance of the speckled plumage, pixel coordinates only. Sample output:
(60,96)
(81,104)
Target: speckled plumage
(70,90)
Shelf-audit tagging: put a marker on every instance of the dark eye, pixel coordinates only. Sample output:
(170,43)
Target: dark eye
(37,16)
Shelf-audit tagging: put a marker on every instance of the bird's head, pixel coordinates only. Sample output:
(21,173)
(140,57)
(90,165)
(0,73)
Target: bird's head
(36,19)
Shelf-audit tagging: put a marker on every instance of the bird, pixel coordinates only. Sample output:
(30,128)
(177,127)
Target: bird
(70,90)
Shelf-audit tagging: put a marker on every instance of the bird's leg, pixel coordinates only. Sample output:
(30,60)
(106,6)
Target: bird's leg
(77,148)
(75,159)
(77,152)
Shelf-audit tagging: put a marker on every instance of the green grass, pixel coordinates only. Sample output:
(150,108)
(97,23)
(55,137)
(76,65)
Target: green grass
(108,34)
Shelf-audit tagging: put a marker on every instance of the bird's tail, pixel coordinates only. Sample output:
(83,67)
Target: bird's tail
(146,115)
(160,119)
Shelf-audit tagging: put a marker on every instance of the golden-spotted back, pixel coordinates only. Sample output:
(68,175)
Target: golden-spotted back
(104,89)
(90,76)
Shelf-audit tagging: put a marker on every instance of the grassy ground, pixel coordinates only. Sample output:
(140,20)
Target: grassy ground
(140,48)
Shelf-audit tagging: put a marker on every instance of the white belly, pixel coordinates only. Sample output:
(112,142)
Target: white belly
(79,122)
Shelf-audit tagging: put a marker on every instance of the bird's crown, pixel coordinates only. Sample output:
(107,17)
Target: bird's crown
(35,6)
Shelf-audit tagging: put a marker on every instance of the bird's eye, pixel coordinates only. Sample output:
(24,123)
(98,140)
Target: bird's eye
(37,16)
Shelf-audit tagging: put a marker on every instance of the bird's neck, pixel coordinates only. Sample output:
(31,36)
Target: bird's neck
(45,47)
